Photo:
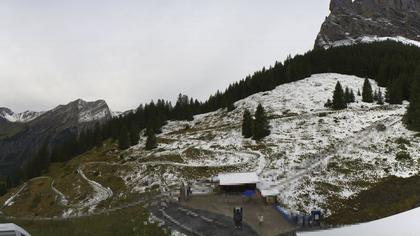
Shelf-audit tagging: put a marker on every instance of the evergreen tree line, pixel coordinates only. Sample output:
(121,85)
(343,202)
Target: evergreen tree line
(342,98)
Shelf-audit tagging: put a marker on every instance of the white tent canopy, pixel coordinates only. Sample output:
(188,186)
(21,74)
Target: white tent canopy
(233,179)
(406,223)
(269,192)
(13,228)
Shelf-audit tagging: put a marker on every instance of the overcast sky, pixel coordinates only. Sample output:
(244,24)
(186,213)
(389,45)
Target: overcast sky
(129,52)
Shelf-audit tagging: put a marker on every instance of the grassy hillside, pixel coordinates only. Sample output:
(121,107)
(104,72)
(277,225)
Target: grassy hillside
(127,222)
(389,196)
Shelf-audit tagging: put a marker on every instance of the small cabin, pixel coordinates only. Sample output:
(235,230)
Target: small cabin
(12,230)
(269,195)
(238,182)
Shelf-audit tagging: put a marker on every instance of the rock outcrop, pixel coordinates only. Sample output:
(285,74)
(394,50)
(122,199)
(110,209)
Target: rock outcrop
(351,20)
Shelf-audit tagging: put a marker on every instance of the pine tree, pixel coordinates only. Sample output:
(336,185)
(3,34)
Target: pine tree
(261,127)
(328,104)
(247,124)
(338,98)
(97,135)
(347,95)
(367,95)
(230,105)
(380,98)
(394,93)
(352,97)
(123,139)
(151,142)
(134,135)
(359,93)
(375,95)
(412,117)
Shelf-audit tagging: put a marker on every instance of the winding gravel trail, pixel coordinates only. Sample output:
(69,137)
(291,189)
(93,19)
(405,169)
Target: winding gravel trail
(101,193)
(9,201)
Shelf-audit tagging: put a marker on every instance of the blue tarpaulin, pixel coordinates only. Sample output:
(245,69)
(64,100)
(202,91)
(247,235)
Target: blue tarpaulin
(248,193)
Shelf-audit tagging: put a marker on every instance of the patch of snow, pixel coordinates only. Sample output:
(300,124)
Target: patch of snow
(22,117)
(116,113)
(101,193)
(10,201)
(371,39)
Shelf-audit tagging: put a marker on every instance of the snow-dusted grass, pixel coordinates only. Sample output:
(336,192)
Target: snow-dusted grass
(309,145)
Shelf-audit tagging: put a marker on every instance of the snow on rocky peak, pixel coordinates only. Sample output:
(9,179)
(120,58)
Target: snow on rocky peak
(115,114)
(371,39)
(351,21)
(21,117)
(93,111)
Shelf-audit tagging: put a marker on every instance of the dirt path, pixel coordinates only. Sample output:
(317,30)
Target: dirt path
(9,201)
(102,193)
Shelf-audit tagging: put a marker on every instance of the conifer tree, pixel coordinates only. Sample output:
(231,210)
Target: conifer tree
(151,142)
(347,95)
(394,93)
(352,97)
(338,98)
(134,135)
(230,105)
(412,117)
(359,93)
(97,135)
(380,98)
(261,127)
(247,124)
(123,139)
(367,95)
(328,104)
(375,96)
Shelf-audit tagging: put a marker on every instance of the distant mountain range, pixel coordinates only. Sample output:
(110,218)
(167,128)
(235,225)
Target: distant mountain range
(354,21)
(21,134)
(23,117)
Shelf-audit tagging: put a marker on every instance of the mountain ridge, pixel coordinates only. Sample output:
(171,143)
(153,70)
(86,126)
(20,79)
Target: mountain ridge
(350,20)
(50,127)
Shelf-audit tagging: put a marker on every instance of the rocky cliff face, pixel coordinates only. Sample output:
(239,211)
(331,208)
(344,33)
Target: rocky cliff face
(351,20)
(52,126)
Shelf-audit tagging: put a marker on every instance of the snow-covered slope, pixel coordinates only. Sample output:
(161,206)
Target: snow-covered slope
(313,153)
(22,117)
(405,223)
